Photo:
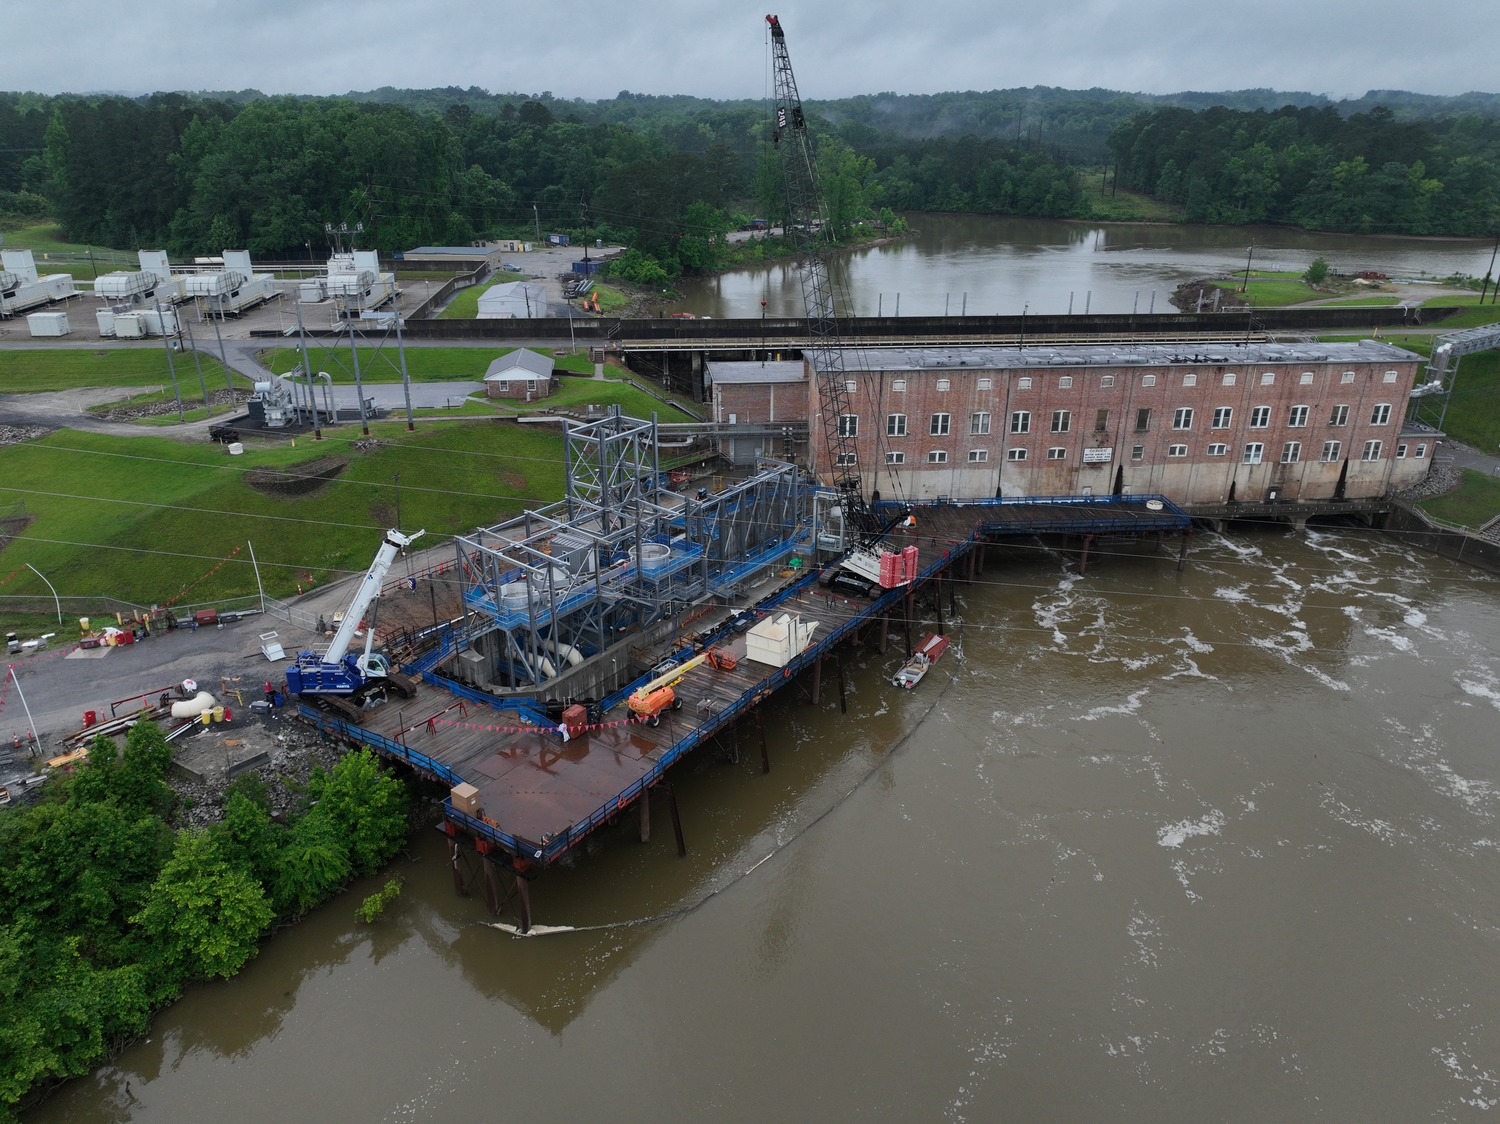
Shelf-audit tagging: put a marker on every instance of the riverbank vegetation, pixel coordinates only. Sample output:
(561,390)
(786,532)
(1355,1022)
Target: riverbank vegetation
(109,907)
(670,177)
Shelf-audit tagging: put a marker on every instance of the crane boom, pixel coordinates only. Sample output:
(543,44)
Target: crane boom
(336,672)
(805,225)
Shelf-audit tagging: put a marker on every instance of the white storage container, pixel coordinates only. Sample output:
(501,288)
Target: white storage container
(130,326)
(48,323)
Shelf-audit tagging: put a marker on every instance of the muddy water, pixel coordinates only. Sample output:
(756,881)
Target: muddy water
(1217,845)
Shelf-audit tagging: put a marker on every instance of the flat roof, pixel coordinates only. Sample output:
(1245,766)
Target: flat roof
(740,371)
(456,251)
(1210,354)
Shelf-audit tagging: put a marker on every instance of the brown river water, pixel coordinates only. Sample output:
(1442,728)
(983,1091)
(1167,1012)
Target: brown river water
(1217,845)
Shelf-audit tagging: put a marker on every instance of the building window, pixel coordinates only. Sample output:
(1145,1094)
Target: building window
(1421,451)
(1015,454)
(1223,415)
(1229,378)
(1020,421)
(1400,452)
(1291,452)
(851,386)
(848,425)
(1148,380)
(1182,418)
(979,423)
(1267,378)
(1057,453)
(895,425)
(844,460)
(1101,421)
(1062,421)
(1176,450)
(1218,450)
(895,458)
(938,456)
(1298,417)
(1347,377)
(940,425)
(1107,381)
(1339,415)
(1190,379)
(1260,417)
(1381,414)
(1065,382)
(1023,383)
(502,386)
(976,455)
(1137,452)
(986,383)
(1390,376)
(942,385)
(1305,378)
(531,386)
(1331,450)
(1371,451)
(1253,453)
(898,386)
(1143,419)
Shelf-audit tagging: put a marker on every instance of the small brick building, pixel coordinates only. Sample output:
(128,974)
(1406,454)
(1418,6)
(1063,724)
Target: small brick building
(522,374)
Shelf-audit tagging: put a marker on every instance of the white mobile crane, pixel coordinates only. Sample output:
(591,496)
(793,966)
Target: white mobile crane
(805,225)
(340,674)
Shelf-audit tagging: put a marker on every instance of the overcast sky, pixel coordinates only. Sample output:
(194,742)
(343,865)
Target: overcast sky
(595,48)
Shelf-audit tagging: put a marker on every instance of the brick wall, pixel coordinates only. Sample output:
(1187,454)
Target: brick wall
(1073,429)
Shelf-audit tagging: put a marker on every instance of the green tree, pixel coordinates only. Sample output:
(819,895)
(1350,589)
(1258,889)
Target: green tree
(312,864)
(1317,272)
(204,915)
(366,805)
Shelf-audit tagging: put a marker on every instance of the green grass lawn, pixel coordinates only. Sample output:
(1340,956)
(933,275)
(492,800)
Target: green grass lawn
(32,370)
(1123,206)
(144,518)
(1470,317)
(1473,504)
(465,303)
(423,364)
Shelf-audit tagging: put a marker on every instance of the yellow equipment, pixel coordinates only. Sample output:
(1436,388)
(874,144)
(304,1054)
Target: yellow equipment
(656,695)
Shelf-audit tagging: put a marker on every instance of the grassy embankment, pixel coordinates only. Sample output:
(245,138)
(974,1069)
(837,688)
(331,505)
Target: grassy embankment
(144,518)
(55,255)
(1123,206)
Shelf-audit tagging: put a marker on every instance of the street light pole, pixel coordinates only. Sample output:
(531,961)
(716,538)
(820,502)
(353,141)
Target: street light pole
(1248,256)
(57,603)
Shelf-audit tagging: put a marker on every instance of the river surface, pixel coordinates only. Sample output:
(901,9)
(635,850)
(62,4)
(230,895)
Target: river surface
(1002,266)
(1217,845)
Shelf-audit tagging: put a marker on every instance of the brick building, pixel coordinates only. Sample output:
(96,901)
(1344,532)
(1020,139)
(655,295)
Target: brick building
(1200,423)
(758,394)
(522,374)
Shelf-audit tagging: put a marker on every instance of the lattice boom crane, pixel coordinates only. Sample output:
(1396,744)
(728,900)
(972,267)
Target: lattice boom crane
(805,225)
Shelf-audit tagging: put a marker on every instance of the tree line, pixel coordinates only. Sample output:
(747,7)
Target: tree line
(196,174)
(107,911)
(1312,167)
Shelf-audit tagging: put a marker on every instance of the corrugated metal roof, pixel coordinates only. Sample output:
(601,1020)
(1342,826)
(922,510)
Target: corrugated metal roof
(741,373)
(1216,353)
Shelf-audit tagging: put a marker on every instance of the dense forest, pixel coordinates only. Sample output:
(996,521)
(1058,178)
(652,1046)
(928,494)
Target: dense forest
(1311,167)
(107,911)
(668,175)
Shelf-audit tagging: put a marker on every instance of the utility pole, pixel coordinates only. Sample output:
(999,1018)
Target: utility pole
(411,421)
(171,366)
(197,360)
(1248,256)
(1491,272)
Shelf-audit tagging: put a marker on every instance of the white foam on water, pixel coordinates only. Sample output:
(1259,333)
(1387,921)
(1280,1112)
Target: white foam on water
(1131,705)
(1394,639)
(1176,834)
(1475,689)
(1146,934)
(1481,1085)
(1381,829)
(1227,593)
